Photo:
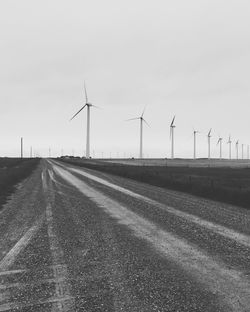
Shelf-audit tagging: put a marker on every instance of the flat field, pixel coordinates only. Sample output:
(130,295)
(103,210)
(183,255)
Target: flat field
(226,181)
(179,162)
(12,172)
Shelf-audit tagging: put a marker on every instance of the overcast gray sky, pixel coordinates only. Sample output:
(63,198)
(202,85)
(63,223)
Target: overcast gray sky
(185,58)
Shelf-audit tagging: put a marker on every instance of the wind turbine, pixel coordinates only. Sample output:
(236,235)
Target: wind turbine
(209,141)
(242,151)
(220,142)
(237,149)
(141,130)
(88,105)
(195,133)
(172,126)
(230,147)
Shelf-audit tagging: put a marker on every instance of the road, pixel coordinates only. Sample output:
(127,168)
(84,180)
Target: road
(74,239)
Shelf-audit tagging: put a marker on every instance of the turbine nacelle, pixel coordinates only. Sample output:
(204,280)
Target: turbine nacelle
(141,117)
(172,126)
(219,141)
(229,140)
(209,133)
(172,123)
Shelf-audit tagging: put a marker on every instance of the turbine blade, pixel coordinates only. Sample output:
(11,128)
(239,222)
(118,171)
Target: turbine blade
(85,90)
(133,118)
(143,111)
(209,133)
(96,106)
(78,112)
(146,122)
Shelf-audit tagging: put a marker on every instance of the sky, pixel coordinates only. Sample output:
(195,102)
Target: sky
(184,58)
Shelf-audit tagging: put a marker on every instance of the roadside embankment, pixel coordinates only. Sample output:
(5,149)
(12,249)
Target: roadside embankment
(12,172)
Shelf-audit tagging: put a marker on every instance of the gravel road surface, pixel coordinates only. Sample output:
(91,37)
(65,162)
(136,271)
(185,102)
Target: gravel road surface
(74,239)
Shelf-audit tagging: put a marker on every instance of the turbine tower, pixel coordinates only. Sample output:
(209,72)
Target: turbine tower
(195,133)
(230,147)
(220,142)
(141,131)
(248,152)
(237,149)
(242,151)
(172,126)
(88,105)
(209,143)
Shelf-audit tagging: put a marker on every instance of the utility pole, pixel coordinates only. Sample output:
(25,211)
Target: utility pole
(195,133)
(230,147)
(21,147)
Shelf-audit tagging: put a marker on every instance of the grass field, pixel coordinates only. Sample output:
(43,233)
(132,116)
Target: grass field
(226,184)
(12,172)
(181,162)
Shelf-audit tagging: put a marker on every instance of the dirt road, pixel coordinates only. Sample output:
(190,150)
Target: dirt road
(73,239)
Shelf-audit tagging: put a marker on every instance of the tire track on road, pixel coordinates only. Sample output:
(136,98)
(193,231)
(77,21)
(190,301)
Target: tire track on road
(106,286)
(64,301)
(11,256)
(18,228)
(216,228)
(18,295)
(231,286)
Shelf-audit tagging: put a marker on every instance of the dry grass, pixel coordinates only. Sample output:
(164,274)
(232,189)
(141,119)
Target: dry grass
(12,172)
